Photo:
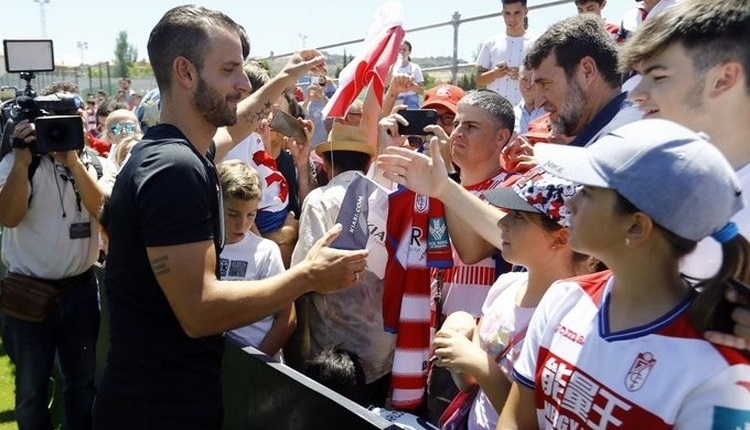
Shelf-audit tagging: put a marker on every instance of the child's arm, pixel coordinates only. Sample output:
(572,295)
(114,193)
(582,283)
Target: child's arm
(281,330)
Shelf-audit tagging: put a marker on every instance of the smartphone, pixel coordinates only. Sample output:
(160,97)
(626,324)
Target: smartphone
(288,126)
(721,319)
(418,120)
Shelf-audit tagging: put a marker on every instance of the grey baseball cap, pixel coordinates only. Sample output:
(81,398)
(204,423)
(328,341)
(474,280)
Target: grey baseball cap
(672,174)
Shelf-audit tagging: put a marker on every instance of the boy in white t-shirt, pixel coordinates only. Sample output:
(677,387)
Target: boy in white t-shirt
(247,256)
(695,69)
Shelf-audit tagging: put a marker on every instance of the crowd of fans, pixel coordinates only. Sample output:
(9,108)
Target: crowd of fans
(564,243)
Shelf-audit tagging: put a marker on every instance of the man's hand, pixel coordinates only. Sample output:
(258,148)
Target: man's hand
(518,155)
(302,62)
(388,129)
(333,269)
(741,316)
(501,70)
(418,172)
(301,150)
(444,143)
(24,131)
(400,84)
(66,158)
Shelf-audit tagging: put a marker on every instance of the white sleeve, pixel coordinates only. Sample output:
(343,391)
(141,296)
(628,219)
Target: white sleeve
(484,59)
(311,228)
(723,402)
(416,74)
(524,368)
(272,261)
(6,165)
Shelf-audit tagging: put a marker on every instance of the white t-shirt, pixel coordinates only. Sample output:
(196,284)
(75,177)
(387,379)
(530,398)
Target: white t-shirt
(411,69)
(502,322)
(508,49)
(57,237)
(705,261)
(252,258)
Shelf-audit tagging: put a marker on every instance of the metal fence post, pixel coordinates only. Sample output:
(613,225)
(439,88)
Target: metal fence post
(454,61)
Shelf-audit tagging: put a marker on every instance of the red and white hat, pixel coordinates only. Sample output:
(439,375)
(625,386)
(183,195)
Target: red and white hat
(445,95)
(537,192)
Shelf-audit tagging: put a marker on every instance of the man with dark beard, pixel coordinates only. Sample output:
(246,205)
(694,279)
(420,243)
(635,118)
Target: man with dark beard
(167,306)
(575,72)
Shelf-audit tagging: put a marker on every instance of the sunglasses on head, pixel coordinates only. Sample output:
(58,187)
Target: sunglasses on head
(125,127)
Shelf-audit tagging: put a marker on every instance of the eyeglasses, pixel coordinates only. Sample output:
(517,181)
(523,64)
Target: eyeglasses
(447,118)
(124,127)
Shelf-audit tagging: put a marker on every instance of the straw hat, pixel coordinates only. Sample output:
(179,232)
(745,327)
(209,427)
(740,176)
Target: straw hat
(346,138)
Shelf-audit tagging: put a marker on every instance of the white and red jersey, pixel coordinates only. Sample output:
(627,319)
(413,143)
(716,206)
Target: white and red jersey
(657,376)
(252,151)
(466,285)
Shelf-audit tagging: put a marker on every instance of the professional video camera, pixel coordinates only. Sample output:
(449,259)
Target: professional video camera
(57,124)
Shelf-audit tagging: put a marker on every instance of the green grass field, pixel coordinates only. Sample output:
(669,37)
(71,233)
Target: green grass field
(7,401)
(7,390)
(7,396)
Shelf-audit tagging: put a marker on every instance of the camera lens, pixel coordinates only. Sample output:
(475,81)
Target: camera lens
(56,134)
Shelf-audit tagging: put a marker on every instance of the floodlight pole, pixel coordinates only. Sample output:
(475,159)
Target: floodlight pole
(42,16)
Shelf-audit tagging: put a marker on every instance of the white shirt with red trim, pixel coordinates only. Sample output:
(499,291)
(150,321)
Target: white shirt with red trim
(657,376)
(252,151)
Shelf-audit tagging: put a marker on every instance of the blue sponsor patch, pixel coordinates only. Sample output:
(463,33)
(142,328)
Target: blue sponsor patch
(730,419)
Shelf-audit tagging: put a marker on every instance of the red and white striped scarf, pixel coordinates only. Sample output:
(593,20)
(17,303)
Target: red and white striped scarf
(413,222)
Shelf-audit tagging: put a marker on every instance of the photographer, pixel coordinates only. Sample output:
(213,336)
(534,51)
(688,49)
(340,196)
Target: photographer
(48,207)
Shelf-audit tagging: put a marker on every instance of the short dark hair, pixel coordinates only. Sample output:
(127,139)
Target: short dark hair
(523,2)
(337,369)
(295,109)
(184,31)
(579,2)
(345,161)
(256,73)
(712,32)
(110,106)
(572,39)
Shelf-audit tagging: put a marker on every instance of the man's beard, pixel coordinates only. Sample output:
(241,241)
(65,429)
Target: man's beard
(569,114)
(212,106)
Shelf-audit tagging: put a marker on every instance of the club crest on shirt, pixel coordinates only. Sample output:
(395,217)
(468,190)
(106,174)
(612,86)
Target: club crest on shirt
(639,371)
(421,203)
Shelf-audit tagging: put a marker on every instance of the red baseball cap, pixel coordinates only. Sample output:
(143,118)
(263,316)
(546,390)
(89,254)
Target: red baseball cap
(298,94)
(540,130)
(445,95)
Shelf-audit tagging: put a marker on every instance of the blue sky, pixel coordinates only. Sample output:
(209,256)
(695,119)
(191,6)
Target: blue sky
(279,25)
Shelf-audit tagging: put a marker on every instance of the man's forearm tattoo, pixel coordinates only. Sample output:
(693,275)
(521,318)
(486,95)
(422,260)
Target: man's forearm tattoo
(257,116)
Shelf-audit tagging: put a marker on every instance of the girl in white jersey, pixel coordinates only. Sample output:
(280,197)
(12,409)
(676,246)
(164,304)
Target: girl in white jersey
(624,348)
(535,236)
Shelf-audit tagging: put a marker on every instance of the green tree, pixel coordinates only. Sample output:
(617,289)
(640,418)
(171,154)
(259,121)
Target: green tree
(125,55)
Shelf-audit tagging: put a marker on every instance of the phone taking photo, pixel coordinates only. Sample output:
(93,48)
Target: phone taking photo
(418,120)
(288,126)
